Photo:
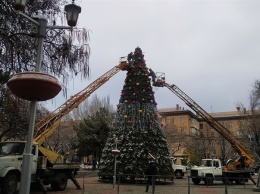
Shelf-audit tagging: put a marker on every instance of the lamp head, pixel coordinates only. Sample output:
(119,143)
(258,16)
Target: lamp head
(72,13)
(20,4)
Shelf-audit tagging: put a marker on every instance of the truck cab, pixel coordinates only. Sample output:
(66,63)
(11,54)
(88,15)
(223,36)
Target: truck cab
(179,170)
(11,157)
(208,171)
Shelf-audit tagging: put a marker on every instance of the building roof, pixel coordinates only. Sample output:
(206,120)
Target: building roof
(217,115)
(176,111)
(229,114)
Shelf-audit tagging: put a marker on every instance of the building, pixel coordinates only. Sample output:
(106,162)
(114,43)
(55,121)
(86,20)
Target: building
(181,127)
(184,129)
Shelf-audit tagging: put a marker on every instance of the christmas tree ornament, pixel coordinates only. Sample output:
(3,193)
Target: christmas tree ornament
(125,116)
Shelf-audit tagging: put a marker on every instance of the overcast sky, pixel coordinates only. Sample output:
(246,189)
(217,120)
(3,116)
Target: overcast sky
(209,49)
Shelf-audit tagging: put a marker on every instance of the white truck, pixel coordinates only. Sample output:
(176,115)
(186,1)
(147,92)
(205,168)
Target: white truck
(212,170)
(48,167)
(179,170)
(11,157)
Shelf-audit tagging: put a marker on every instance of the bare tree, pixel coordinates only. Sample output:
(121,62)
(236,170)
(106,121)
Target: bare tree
(249,131)
(90,107)
(189,141)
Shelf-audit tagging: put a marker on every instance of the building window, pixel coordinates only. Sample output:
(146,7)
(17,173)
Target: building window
(229,125)
(193,131)
(172,130)
(181,120)
(171,120)
(182,129)
(194,121)
(239,134)
(163,120)
(201,126)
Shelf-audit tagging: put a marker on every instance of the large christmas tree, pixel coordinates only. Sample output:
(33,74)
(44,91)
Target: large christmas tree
(137,126)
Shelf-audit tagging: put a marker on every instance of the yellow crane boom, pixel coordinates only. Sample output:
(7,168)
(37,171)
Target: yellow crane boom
(45,127)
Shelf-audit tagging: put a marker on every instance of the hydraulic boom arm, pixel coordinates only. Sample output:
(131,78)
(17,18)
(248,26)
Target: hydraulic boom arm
(224,132)
(46,126)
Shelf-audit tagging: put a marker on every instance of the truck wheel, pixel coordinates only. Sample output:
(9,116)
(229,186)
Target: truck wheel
(178,174)
(208,180)
(196,181)
(9,184)
(60,182)
(240,180)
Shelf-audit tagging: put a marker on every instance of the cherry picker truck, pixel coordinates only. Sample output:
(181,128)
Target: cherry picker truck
(48,167)
(215,171)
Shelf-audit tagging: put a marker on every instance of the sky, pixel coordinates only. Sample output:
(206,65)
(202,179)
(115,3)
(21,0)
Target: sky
(210,49)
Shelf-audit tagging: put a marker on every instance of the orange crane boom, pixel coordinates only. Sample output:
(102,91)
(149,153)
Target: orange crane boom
(45,127)
(224,132)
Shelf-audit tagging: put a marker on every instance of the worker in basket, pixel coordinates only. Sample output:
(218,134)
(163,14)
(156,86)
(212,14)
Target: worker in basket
(242,161)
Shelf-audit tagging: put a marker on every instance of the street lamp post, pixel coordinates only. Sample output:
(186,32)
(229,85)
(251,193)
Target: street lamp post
(116,152)
(72,15)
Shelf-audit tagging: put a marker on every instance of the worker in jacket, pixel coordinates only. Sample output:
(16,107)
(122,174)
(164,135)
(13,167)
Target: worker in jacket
(242,160)
(150,174)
